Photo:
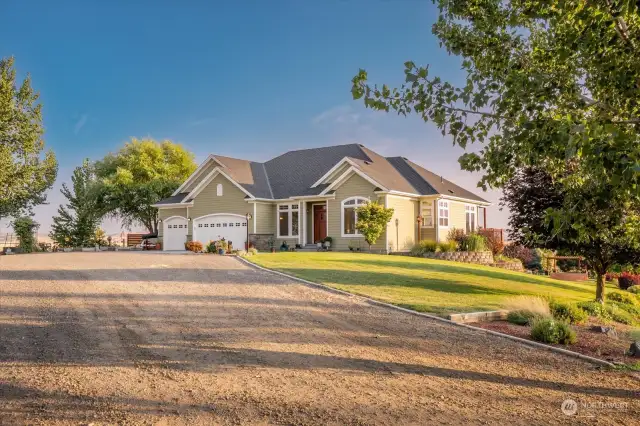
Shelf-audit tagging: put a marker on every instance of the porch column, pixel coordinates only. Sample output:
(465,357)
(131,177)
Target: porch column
(327,213)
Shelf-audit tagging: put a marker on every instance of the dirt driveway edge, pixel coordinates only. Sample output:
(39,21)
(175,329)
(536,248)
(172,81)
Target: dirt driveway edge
(526,342)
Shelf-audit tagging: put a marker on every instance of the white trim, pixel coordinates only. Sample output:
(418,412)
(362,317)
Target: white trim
(300,230)
(204,182)
(172,205)
(255,218)
(220,214)
(319,197)
(174,216)
(290,219)
(475,216)
(197,172)
(466,200)
(219,190)
(399,194)
(386,237)
(355,206)
(333,169)
(326,212)
(448,209)
(347,174)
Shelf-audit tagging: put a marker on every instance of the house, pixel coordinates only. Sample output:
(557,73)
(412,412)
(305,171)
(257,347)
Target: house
(304,196)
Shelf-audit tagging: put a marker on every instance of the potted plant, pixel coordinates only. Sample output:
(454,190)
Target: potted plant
(352,246)
(327,243)
(284,246)
(222,246)
(271,242)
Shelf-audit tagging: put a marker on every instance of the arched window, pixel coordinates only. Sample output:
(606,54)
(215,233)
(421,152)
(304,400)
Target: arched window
(349,216)
(219,190)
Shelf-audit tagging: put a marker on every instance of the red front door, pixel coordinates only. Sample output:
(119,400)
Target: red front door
(319,223)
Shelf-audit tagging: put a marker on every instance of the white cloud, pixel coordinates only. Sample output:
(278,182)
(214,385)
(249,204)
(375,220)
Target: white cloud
(342,114)
(80,123)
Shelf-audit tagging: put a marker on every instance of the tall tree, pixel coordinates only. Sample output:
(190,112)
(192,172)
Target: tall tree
(25,175)
(77,222)
(139,175)
(552,85)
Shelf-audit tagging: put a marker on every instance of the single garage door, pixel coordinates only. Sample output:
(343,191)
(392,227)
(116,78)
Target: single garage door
(231,227)
(174,233)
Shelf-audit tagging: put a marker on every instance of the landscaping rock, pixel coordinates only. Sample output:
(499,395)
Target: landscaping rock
(634,350)
(609,331)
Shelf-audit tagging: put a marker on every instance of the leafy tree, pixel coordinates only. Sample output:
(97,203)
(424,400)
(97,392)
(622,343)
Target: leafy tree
(25,227)
(372,221)
(527,195)
(142,173)
(77,222)
(551,85)
(25,176)
(100,238)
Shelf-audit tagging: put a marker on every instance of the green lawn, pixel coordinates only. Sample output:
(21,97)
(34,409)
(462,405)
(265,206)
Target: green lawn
(425,285)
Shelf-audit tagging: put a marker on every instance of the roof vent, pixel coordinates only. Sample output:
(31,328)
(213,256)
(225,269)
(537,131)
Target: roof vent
(450,191)
(441,179)
(368,163)
(405,158)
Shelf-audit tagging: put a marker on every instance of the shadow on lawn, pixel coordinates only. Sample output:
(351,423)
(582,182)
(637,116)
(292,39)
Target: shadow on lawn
(385,279)
(462,268)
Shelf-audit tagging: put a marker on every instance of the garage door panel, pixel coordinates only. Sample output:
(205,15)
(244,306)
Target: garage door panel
(174,234)
(231,228)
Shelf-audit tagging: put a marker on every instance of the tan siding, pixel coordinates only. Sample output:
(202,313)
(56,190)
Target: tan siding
(167,213)
(428,234)
(402,237)
(201,176)
(231,201)
(457,218)
(266,222)
(354,186)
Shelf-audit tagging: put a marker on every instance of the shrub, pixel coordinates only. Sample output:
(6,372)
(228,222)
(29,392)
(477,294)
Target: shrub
(595,309)
(522,317)
(568,313)
(518,251)
(622,298)
(627,279)
(424,246)
(493,240)
(211,247)
(448,246)
(635,289)
(619,314)
(457,235)
(194,246)
(24,228)
(473,242)
(539,261)
(549,330)
(252,251)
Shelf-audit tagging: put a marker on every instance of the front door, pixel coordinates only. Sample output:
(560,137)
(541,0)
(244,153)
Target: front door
(319,223)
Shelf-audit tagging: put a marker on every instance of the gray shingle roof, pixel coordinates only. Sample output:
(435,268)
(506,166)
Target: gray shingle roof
(292,173)
(174,199)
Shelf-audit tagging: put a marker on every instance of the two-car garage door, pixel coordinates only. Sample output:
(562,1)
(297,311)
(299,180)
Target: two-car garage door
(214,227)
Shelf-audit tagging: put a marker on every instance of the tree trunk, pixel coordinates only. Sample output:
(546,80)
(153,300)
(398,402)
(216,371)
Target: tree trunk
(599,287)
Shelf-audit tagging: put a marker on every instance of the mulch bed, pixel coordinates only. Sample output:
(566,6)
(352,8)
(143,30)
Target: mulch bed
(591,343)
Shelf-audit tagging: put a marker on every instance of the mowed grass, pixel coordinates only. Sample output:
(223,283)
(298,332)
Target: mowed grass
(425,285)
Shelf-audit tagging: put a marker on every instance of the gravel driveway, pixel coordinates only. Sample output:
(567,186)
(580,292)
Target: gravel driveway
(135,338)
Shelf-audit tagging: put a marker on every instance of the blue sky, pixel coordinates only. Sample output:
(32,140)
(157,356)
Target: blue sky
(248,79)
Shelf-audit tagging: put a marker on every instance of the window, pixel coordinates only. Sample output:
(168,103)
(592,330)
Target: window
(349,216)
(288,220)
(443,213)
(219,190)
(427,214)
(470,214)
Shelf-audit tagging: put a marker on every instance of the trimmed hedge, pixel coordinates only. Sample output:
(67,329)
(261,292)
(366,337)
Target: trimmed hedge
(549,330)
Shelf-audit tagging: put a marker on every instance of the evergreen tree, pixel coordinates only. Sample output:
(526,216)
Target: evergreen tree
(77,222)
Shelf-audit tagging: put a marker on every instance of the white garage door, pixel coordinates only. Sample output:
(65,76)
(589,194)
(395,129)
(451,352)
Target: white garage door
(174,233)
(215,227)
